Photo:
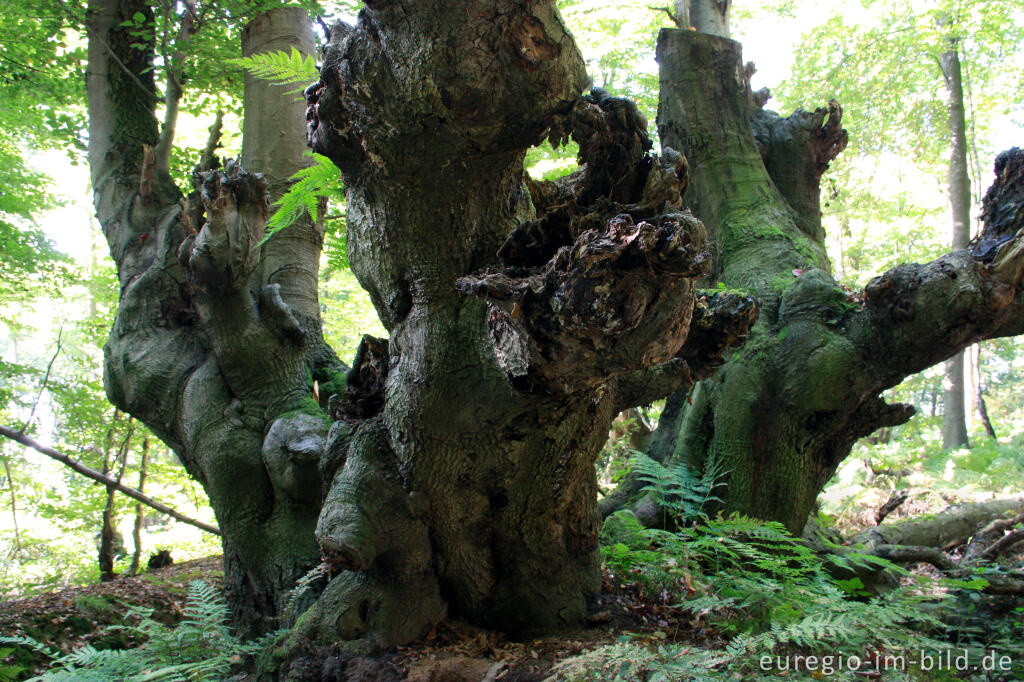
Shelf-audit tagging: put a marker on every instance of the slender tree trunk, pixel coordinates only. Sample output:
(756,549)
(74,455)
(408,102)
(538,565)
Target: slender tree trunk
(139,513)
(108,531)
(14,502)
(980,408)
(106,551)
(954,404)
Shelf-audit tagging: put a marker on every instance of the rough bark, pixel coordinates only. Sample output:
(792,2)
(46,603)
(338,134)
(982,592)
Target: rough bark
(954,402)
(522,316)
(213,346)
(784,412)
(457,475)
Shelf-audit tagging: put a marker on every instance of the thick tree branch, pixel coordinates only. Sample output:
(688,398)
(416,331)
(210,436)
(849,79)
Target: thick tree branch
(807,384)
(1003,544)
(721,320)
(105,480)
(916,315)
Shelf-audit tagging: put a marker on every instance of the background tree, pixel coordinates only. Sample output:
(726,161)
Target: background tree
(784,411)
(904,49)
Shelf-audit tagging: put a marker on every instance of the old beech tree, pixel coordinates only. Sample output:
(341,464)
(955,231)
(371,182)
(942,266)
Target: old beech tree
(450,469)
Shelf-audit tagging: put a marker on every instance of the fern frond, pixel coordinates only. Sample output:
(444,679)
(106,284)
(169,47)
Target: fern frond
(309,186)
(280,67)
(30,643)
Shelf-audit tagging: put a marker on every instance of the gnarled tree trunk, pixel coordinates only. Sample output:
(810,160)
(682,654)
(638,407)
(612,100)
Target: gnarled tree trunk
(216,342)
(522,317)
(458,474)
(785,410)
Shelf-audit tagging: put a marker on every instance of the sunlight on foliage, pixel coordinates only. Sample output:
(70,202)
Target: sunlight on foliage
(281,67)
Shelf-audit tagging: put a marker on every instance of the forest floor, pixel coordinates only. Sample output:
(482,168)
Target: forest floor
(72,617)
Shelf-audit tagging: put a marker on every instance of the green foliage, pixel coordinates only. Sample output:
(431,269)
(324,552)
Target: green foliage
(749,581)
(10,671)
(309,187)
(281,67)
(617,41)
(347,312)
(201,647)
(628,661)
(679,492)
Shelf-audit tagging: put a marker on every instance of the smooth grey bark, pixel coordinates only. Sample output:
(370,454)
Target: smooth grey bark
(706,16)
(954,402)
(214,347)
(784,411)
(133,569)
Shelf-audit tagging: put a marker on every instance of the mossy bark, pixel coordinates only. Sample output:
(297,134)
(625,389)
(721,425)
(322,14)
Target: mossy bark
(785,410)
(452,471)
(214,345)
(522,317)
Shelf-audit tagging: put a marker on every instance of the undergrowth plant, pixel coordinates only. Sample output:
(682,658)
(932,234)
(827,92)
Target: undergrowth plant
(747,582)
(200,648)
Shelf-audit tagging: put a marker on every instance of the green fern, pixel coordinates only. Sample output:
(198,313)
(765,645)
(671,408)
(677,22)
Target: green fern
(679,491)
(751,582)
(201,647)
(280,67)
(309,187)
(628,661)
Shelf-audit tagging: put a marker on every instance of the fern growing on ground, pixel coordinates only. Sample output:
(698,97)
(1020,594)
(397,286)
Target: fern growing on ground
(749,581)
(680,492)
(200,648)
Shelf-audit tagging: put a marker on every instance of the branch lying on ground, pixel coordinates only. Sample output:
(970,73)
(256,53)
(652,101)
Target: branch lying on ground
(985,527)
(895,500)
(105,480)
